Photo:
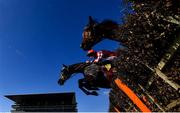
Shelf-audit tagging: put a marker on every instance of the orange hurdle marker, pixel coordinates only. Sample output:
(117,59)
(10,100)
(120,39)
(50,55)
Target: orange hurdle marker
(116,110)
(132,96)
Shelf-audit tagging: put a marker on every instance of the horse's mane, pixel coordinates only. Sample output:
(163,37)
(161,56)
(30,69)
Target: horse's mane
(78,65)
(110,24)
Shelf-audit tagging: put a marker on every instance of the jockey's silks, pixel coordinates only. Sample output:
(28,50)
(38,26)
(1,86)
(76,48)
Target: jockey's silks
(108,66)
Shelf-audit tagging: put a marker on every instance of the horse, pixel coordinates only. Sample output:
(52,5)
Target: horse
(135,36)
(95,32)
(89,82)
(142,46)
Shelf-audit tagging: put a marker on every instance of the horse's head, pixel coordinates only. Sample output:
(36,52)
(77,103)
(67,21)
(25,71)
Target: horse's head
(95,32)
(90,37)
(65,74)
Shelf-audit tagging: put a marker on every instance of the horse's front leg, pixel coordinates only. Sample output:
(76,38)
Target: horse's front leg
(82,85)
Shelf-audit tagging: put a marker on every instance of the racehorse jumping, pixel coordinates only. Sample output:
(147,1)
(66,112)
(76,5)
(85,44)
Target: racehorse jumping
(95,32)
(91,81)
(146,44)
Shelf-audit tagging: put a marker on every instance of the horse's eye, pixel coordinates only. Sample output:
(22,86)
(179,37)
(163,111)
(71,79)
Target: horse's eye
(89,34)
(85,35)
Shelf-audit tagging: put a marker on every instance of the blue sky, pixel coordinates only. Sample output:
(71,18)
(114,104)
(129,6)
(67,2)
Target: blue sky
(37,36)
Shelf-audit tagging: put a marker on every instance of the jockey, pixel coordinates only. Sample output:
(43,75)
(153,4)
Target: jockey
(101,56)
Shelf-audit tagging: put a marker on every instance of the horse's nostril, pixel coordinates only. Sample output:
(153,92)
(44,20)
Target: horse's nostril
(82,46)
(60,82)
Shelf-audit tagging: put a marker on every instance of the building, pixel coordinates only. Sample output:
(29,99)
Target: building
(51,102)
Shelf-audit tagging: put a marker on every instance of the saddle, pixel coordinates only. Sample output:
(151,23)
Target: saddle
(95,69)
(107,69)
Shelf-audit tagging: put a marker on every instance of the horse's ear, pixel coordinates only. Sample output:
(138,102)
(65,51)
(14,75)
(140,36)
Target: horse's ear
(91,21)
(64,66)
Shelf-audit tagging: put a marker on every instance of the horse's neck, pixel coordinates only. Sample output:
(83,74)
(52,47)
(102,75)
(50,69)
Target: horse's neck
(77,68)
(113,37)
(113,31)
